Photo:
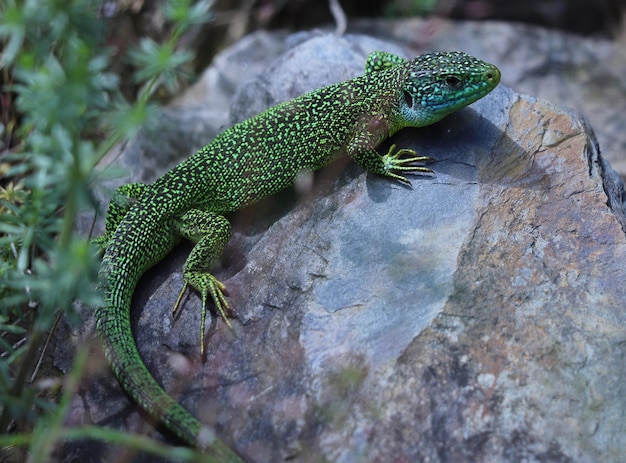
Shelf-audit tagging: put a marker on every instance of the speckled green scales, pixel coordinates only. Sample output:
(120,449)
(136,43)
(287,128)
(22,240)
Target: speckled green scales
(247,162)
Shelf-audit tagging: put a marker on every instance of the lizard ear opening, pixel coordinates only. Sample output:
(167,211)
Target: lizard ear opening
(408,98)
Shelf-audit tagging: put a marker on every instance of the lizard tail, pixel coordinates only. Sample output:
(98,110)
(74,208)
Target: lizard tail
(126,257)
(113,325)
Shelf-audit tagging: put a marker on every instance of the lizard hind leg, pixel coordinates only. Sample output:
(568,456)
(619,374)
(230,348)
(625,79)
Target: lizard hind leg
(381,60)
(123,198)
(210,232)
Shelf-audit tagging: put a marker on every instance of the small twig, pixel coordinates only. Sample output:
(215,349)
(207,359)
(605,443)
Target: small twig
(45,347)
(341,21)
(15,347)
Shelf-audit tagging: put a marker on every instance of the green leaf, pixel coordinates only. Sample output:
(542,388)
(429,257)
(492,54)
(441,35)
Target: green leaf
(13,329)
(13,28)
(184,14)
(125,120)
(159,61)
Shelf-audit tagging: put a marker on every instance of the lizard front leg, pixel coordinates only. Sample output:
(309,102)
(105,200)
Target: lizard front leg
(401,160)
(393,164)
(210,232)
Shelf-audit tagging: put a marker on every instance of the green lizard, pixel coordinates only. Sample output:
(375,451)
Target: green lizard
(247,162)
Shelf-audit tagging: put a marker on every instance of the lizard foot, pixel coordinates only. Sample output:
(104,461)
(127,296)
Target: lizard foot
(395,162)
(101,243)
(207,285)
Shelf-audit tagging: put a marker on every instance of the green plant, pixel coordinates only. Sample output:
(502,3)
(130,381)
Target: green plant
(402,8)
(55,72)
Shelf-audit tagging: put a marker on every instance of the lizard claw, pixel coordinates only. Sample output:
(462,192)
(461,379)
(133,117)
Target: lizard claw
(207,285)
(395,162)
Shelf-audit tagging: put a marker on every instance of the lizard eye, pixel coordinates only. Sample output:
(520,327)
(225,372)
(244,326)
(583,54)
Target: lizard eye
(453,81)
(408,98)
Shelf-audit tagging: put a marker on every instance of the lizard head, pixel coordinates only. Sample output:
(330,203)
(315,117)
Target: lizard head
(437,84)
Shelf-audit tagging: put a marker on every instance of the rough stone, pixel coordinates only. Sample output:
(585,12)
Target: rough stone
(475,317)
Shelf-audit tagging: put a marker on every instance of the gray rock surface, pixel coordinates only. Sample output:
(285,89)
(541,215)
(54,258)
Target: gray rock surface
(476,317)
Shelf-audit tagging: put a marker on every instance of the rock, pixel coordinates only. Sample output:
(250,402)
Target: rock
(475,317)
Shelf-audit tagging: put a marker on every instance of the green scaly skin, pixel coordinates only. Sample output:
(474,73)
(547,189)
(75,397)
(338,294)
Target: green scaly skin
(247,162)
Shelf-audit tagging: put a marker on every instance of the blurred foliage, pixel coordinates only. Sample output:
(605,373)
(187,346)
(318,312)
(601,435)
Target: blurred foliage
(400,8)
(62,110)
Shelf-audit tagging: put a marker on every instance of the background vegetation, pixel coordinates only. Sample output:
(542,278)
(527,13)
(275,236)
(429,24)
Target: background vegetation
(63,109)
